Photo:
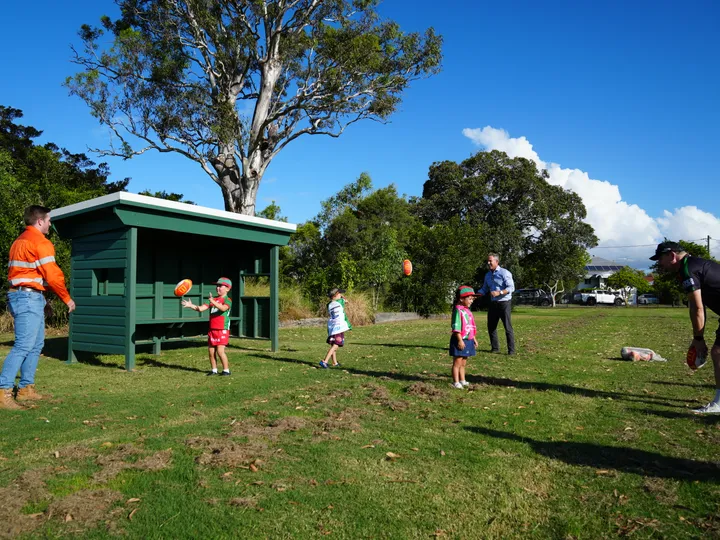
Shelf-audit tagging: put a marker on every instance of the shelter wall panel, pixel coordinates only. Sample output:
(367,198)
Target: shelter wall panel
(82,289)
(105,301)
(145,308)
(263,317)
(99,329)
(97,347)
(100,311)
(107,263)
(100,320)
(104,255)
(97,338)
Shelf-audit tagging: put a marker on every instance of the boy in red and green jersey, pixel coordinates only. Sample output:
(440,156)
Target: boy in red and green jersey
(219,332)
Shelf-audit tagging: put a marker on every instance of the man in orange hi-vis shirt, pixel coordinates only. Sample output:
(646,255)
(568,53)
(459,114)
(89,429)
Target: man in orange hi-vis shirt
(32,269)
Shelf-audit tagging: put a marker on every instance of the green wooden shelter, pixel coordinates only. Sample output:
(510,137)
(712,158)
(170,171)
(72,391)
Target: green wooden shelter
(128,253)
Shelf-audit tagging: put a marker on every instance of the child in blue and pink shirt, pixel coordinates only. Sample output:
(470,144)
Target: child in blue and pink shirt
(462,340)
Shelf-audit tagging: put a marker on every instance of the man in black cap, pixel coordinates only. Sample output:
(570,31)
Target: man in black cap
(700,279)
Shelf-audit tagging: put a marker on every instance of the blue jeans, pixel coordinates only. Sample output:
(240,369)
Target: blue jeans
(28,310)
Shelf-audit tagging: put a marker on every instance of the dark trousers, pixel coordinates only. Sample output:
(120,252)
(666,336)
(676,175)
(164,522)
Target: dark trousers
(500,311)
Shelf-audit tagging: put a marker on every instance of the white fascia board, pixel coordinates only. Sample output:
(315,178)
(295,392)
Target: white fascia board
(204,211)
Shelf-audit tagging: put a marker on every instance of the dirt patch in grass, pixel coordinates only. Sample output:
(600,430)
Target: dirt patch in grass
(288,423)
(381,396)
(29,486)
(378,392)
(425,390)
(227,453)
(77,452)
(243,502)
(665,491)
(115,462)
(255,427)
(86,508)
(343,420)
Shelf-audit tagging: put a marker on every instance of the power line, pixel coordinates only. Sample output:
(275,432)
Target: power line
(648,245)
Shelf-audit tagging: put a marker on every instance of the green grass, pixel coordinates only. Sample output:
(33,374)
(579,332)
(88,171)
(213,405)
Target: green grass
(561,441)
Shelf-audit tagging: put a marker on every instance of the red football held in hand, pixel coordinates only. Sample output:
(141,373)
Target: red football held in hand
(694,360)
(407,267)
(182,288)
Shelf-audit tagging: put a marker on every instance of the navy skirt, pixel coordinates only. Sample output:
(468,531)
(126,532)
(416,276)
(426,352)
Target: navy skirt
(469,349)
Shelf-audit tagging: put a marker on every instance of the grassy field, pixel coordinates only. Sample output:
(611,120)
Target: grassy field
(563,440)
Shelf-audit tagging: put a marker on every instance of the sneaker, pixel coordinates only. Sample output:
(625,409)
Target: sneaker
(465,383)
(211,373)
(458,386)
(495,351)
(323,364)
(225,374)
(710,408)
(337,365)
(511,353)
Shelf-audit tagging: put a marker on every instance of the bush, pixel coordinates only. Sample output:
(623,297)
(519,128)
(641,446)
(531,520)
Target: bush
(293,304)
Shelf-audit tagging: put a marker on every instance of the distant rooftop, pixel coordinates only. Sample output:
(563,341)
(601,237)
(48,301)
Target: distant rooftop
(603,267)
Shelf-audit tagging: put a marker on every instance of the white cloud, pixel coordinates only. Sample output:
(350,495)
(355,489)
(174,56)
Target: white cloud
(616,222)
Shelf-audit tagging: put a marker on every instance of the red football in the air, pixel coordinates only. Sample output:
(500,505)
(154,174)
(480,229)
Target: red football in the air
(182,288)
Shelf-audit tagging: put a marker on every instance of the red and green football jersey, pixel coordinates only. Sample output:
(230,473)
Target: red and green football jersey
(220,320)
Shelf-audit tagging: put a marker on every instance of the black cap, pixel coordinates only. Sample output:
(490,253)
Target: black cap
(666,247)
(334,291)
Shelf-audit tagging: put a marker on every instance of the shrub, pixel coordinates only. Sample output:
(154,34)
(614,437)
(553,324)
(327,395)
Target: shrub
(293,304)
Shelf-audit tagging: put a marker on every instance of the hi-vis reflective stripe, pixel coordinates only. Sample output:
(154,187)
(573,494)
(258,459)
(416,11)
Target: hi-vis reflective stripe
(36,264)
(18,281)
(24,264)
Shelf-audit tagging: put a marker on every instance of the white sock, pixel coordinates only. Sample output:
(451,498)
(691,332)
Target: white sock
(717,396)
(214,370)
(226,371)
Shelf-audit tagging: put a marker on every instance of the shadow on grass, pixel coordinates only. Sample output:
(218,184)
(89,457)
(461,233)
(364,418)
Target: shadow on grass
(689,385)
(490,381)
(151,361)
(566,389)
(705,419)
(629,460)
(354,371)
(401,346)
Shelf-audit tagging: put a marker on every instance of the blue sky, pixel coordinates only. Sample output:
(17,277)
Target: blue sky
(619,100)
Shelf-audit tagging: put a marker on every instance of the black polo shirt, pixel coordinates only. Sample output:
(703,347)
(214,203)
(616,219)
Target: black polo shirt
(696,273)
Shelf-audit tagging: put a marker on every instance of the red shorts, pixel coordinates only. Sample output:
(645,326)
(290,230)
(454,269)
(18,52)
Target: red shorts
(337,339)
(218,337)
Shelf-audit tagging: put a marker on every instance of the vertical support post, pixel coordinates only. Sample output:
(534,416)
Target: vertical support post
(240,301)
(71,358)
(274,298)
(130,296)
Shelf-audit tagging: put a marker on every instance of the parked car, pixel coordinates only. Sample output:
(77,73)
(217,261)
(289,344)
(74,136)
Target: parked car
(598,296)
(532,297)
(648,299)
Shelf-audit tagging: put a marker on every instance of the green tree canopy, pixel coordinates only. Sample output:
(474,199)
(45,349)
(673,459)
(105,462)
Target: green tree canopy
(629,278)
(230,83)
(45,175)
(537,228)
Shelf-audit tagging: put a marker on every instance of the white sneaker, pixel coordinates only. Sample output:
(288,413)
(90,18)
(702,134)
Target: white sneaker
(465,383)
(458,386)
(710,408)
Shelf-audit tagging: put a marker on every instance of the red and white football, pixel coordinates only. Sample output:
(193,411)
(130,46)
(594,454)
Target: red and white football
(182,288)
(694,360)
